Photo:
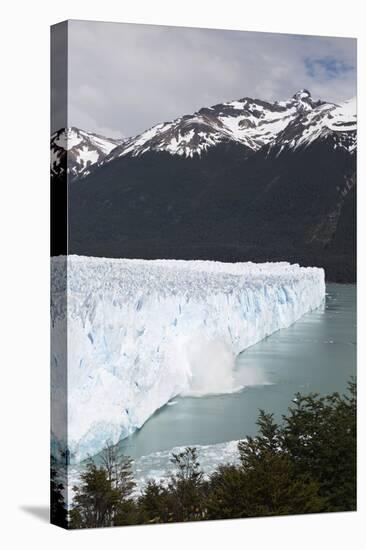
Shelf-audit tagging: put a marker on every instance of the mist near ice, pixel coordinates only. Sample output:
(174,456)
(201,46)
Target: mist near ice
(214,369)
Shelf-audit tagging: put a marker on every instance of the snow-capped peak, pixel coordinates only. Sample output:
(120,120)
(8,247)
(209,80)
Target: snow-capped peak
(337,122)
(302,94)
(304,101)
(68,138)
(250,123)
(79,150)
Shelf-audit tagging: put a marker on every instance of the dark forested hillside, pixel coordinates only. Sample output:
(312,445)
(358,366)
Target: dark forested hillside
(228,204)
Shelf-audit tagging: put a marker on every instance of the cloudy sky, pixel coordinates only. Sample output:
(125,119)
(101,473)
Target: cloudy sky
(124,78)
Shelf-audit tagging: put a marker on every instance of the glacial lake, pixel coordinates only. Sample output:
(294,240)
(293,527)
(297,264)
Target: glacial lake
(316,354)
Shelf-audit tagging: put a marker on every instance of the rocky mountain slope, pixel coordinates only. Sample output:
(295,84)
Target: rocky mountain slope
(242,180)
(251,123)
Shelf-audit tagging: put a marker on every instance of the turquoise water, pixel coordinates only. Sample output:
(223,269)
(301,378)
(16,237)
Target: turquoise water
(316,354)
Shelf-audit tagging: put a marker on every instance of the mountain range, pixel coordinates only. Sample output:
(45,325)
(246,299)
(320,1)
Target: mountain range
(241,180)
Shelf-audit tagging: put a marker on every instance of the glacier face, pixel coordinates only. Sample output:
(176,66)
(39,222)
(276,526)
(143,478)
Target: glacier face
(140,332)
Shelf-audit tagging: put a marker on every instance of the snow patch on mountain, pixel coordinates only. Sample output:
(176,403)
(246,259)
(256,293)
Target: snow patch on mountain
(75,151)
(140,332)
(67,139)
(325,121)
(251,123)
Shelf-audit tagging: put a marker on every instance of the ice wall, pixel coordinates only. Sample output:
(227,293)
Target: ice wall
(140,332)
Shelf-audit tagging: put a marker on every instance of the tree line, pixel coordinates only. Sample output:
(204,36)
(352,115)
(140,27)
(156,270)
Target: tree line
(305,464)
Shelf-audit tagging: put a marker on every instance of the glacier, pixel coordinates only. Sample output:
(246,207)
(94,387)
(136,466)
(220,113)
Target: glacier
(140,332)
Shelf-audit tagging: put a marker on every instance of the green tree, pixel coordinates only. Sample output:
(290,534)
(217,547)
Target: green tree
(273,488)
(265,483)
(180,498)
(120,476)
(156,504)
(320,437)
(104,497)
(58,509)
(268,442)
(186,486)
(94,499)
(226,497)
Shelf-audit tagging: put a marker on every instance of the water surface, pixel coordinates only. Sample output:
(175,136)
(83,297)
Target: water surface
(316,354)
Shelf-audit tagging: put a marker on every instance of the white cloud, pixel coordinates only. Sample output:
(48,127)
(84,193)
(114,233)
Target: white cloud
(125,78)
